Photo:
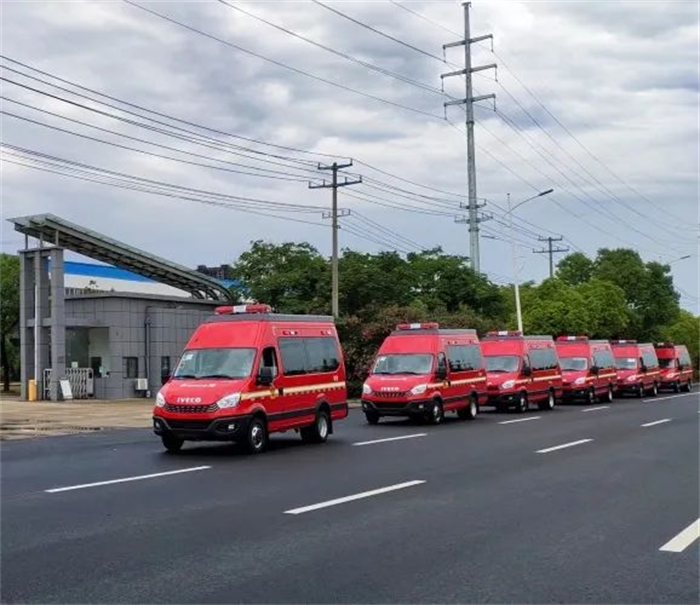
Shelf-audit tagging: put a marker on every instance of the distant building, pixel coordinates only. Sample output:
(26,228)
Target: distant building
(222,272)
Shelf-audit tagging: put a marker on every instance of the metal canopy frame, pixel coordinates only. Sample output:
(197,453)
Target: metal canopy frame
(60,232)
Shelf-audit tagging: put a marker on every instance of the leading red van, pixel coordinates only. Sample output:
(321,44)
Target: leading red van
(675,366)
(588,369)
(637,367)
(521,370)
(247,372)
(422,371)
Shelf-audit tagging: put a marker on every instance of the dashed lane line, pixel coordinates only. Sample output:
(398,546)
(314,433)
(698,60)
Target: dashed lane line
(520,420)
(399,438)
(596,408)
(360,496)
(662,421)
(684,539)
(69,488)
(563,446)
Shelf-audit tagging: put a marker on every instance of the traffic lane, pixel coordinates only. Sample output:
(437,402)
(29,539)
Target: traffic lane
(538,531)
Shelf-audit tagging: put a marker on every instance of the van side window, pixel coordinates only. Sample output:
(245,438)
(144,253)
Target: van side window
(322,354)
(293,355)
(269,360)
(603,359)
(543,359)
(684,359)
(649,358)
(464,357)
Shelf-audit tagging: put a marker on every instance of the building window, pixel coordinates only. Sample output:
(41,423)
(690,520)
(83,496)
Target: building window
(96,365)
(131,367)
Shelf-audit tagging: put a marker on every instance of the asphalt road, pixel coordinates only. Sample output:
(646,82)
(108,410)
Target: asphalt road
(490,511)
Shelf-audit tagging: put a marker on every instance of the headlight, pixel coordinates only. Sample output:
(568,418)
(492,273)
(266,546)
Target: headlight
(419,389)
(581,380)
(508,384)
(229,401)
(631,378)
(160,400)
(366,390)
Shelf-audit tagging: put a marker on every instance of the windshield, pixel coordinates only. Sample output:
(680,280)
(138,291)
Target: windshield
(215,363)
(625,363)
(502,363)
(667,363)
(403,364)
(573,363)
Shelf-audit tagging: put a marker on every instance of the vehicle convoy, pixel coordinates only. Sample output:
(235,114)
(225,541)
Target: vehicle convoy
(588,369)
(247,372)
(675,366)
(637,367)
(423,371)
(521,370)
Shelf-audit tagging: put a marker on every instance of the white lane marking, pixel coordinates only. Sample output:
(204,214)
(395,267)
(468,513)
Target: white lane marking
(56,490)
(562,446)
(520,420)
(670,397)
(360,496)
(684,539)
(662,421)
(595,409)
(413,436)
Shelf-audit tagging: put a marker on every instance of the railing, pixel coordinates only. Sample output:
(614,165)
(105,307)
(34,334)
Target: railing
(81,382)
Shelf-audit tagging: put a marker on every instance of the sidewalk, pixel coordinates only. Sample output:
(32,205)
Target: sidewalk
(23,419)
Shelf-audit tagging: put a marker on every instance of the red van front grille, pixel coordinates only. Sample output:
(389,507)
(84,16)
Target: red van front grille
(391,394)
(196,425)
(190,409)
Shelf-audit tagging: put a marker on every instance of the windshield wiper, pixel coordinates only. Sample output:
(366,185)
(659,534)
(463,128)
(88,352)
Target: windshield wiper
(223,376)
(185,376)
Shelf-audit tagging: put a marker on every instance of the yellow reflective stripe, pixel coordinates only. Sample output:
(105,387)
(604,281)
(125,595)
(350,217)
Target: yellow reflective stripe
(329,386)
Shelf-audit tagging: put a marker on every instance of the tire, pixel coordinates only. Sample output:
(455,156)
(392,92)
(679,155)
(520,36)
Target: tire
(523,403)
(640,391)
(256,437)
(655,389)
(435,414)
(318,431)
(372,417)
(549,403)
(609,394)
(677,386)
(172,444)
(688,386)
(470,412)
(590,396)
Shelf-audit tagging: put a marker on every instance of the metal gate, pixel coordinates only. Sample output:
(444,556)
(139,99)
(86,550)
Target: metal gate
(81,382)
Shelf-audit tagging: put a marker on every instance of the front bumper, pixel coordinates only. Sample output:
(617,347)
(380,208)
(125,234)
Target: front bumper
(221,428)
(628,387)
(577,392)
(506,398)
(397,408)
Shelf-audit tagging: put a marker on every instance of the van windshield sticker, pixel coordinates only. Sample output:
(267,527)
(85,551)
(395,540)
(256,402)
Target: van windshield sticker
(187,356)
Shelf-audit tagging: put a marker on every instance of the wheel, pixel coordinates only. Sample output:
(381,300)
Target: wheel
(523,404)
(372,417)
(172,444)
(677,386)
(688,385)
(609,394)
(590,396)
(640,391)
(549,403)
(655,389)
(436,413)
(318,431)
(469,412)
(256,439)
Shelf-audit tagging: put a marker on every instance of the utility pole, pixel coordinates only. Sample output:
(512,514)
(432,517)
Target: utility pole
(334,184)
(551,250)
(469,101)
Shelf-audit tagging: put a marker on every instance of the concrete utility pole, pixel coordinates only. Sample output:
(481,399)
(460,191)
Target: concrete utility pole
(551,250)
(334,184)
(469,101)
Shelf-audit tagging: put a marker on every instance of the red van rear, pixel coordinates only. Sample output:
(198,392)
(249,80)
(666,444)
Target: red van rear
(422,371)
(246,373)
(588,369)
(521,370)
(675,366)
(637,367)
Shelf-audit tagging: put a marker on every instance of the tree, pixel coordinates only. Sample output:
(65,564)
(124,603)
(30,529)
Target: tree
(607,308)
(292,278)
(555,308)
(686,331)
(9,313)
(575,269)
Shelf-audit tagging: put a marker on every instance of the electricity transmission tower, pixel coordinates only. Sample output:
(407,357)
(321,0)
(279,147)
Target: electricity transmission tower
(551,250)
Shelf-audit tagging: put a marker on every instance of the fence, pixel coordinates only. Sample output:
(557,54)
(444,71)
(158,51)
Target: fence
(81,382)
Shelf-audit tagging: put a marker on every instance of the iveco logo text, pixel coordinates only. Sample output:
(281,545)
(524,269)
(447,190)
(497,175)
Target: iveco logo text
(391,389)
(189,400)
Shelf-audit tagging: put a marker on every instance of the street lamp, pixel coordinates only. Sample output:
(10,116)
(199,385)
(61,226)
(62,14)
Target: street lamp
(675,260)
(516,285)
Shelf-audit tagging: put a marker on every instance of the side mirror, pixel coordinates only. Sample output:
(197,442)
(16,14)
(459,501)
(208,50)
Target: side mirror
(265,376)
(527,371)
(595,370)
(643,368)
(441,373)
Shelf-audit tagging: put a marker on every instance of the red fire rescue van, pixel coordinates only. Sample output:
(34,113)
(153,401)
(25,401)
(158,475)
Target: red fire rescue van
(423,371)
(587,367)
(521,370)
(246,373)
(675,366)
(637,367)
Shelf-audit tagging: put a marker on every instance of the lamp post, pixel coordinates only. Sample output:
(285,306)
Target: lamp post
(516,285)
(675,260)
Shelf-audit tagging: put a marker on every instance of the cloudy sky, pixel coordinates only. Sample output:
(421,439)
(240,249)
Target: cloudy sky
(597,100)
